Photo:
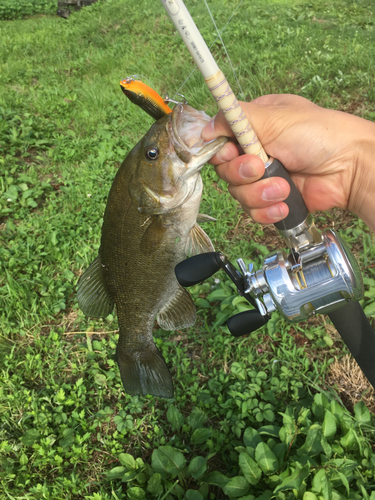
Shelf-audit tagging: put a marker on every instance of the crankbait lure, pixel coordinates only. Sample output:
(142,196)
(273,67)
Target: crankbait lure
(145,97)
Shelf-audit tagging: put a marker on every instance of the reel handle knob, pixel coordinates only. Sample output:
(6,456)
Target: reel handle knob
(198,268)
(246,322)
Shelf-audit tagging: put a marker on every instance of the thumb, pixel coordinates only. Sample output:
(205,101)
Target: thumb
(217,127)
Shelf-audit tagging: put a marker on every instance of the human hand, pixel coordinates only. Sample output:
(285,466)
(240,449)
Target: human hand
(327,154)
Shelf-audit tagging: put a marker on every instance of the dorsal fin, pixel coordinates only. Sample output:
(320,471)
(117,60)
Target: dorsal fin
(205,218)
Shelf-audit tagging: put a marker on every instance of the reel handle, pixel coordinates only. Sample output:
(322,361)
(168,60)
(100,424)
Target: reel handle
(246,322)
(198,268)
(297,209)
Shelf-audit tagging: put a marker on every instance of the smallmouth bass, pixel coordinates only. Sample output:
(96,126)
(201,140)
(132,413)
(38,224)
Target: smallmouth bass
(150,225)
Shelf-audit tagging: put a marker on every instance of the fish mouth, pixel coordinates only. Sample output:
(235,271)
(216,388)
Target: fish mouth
(187,124)
(183,126)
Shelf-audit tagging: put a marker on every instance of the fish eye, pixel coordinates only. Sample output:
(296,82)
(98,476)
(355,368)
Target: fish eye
(152,153)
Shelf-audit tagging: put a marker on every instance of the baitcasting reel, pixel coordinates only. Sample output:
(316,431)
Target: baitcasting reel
(320,275)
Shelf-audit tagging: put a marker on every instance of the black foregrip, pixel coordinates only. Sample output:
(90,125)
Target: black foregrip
(297,208)
(191,271)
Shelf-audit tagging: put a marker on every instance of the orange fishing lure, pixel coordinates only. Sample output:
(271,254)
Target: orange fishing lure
(145,97)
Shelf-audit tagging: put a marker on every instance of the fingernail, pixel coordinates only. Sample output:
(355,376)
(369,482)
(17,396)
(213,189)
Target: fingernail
(208,131)
(272,193)
(275,212)
(246,171)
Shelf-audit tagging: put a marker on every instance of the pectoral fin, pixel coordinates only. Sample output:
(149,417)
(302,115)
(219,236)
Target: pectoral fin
(153,237)
(92,295)
(179,312)
(198,242)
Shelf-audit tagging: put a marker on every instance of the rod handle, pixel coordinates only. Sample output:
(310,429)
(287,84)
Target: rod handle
(297,209)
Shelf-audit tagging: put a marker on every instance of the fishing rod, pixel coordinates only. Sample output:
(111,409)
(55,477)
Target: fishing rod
(319,276)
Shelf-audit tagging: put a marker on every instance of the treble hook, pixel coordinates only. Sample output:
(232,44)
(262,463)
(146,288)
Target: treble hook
(167,99)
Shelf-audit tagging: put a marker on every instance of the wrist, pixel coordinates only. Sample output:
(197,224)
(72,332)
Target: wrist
(362,198)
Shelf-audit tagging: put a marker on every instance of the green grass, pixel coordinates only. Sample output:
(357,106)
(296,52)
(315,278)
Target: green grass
(67,429)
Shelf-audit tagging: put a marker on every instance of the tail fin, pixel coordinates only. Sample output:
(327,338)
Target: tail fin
(144,372)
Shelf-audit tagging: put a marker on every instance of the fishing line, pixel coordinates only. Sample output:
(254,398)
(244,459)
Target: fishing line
(137,75)
(225,48)
(213,43)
